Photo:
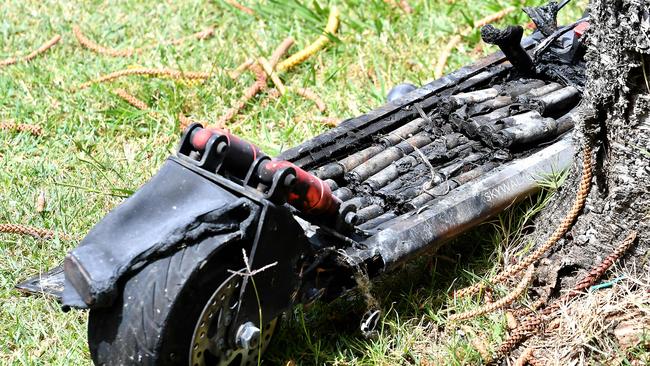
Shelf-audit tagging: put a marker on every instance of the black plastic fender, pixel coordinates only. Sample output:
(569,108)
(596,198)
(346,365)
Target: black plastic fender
(176,208)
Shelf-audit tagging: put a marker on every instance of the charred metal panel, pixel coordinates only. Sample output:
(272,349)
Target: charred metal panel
(467,206)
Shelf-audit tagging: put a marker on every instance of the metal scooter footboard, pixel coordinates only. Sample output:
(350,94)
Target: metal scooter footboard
(425,230)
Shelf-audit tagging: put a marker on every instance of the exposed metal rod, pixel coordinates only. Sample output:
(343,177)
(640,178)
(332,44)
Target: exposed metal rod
(447,186)
(563,4)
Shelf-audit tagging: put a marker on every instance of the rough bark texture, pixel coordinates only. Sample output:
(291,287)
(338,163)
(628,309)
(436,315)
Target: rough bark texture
(616,124)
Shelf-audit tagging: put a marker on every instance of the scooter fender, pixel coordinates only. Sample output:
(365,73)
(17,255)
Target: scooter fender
(174,209)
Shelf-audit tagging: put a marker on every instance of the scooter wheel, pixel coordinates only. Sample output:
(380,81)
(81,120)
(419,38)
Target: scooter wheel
(174,311)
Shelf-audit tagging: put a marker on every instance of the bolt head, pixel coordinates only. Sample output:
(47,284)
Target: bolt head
(290,180)
(221,147)
(248,336)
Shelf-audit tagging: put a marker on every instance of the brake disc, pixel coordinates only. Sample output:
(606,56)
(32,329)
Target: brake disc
(209,344)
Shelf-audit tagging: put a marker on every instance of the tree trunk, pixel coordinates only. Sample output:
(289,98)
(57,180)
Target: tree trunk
(616,126)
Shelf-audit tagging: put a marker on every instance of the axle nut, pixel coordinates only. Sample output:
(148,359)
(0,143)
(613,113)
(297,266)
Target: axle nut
(290,180)
(248,336)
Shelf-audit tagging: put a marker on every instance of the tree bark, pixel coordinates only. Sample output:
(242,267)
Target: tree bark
(615,124)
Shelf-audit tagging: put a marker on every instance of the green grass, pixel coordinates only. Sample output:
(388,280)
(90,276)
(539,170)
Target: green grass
(97,149)
(416,302)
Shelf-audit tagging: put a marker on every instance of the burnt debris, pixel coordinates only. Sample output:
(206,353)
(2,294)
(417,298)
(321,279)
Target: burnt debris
(559,55)
(465,132)
(544,17)
(509,41)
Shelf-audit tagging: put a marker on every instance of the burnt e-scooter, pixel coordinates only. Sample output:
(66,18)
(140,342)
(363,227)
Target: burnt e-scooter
(198,264)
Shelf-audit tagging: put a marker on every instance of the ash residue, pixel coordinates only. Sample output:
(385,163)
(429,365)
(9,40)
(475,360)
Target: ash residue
(544,17)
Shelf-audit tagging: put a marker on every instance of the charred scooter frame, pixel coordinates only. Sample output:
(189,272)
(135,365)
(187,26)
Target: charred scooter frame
(198,264)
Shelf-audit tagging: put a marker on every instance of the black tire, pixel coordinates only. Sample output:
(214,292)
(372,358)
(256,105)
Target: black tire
(152,322)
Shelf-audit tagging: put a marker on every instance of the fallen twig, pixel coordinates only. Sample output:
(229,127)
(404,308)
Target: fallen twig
(598,271)
(184,122)
(132,100)
(302,55)
(41,202)
(488,296)
(268,69)
(97,48)
(236,73)
(171,73)
(327,121)
(523,311)
(259,84)
(22,127)
(200,35)
(526,328)
(281,50)
(241,7)
(479,344)
(36,232)
(532,323)
(309,94)
(502,302)
(525,356)
(404,5)
(43,48)
(511,320)
(444,55)
(491,18)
